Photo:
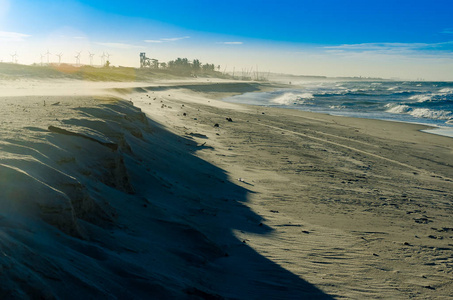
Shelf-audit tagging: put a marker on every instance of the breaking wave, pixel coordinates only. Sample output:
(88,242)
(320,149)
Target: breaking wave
(421,102)
(421,98)
(446,91)
(445,94)
(420,112)
(398,109)
(431,114)
(292,98)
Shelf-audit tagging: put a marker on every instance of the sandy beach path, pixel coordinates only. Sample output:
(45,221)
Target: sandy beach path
(359,208)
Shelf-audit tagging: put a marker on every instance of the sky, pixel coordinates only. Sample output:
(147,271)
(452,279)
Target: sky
(402,39)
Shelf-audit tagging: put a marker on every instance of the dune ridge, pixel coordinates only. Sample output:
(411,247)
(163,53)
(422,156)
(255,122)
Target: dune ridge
(100,200)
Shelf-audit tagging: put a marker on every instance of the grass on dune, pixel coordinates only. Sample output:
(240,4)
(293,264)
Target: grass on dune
(11,71)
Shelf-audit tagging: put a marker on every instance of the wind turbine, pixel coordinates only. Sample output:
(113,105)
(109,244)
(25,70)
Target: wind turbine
(47,53)
(59,58)
(42,56)
(14,57)
(91,57)
(103,59)
(78,58)
(108,58)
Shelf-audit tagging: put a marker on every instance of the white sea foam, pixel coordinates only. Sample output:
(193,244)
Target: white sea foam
(338,92)
(442,93)
(339,85)
(402,92)
(398,109)
(336,107)
(291,98)
(420,112)
(431,114)
(421,98)
(446,91)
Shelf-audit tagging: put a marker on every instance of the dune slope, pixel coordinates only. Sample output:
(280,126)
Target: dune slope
(99,201)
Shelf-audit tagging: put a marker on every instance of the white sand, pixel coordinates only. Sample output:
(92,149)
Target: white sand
(98,199)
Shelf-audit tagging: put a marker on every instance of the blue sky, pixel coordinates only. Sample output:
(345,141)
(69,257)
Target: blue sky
(407,39)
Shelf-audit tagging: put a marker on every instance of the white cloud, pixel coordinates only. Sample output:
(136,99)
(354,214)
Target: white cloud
(176,39)
(393,49)
(380,46)
(119,45)
(167,40)
(6,36)
(230,43)
(448,31)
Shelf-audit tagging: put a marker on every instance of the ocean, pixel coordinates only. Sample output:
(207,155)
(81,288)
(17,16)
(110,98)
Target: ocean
(429,103)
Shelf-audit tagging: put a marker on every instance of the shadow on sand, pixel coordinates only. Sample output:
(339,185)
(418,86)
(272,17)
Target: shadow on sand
(151,220)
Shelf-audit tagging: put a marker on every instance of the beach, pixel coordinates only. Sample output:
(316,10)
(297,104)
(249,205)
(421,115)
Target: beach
(162,190)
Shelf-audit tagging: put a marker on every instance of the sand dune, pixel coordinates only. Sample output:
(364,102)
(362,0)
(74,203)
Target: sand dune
(147,191)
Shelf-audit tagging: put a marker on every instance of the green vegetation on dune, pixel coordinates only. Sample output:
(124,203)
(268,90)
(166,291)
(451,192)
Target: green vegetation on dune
(11,71)
(16,71)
